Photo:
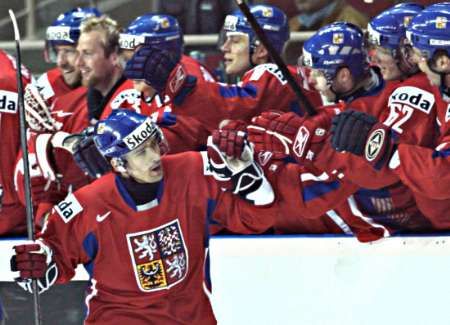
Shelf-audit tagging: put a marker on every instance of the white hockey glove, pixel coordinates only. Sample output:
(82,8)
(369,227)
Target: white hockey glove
(37,112)
(47,147)
(240,175)
(34,261)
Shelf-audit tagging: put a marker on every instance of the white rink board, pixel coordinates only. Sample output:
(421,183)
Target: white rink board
(331,281)
(297,280)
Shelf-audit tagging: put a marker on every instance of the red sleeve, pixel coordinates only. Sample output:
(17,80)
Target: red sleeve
(64,232)
(188,134)
(424,170)
(353,168)
(303,193)
(262,89)
(229,211)
(9,126)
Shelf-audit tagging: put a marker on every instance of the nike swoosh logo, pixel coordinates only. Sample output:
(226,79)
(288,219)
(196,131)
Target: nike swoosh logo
(61,113)
(102,217)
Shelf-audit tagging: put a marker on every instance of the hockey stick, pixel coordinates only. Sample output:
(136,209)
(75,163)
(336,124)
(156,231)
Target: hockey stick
(276,57)
(26,167)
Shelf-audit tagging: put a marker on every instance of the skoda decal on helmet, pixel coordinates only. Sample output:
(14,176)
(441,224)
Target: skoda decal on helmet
(65,30)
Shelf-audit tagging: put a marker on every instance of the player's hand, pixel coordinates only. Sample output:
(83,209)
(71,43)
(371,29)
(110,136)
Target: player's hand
(46,190)
(86,154)
(48,147)
(153,65)
(34,261)
(273,132)
(242,175)
(37,112)
(362,135)
(231,138)
(289,135)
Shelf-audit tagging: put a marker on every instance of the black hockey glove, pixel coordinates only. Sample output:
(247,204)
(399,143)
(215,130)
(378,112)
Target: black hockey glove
(152,64)
(362,135)
(87,156)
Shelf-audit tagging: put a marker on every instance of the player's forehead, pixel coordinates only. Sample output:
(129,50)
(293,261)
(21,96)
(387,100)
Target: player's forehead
(236,36)
(64,47)
(382,50)
(91,39)
(317,73)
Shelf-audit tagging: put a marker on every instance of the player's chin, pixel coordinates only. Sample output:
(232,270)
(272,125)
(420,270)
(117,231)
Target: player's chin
(229,66)
(72,78)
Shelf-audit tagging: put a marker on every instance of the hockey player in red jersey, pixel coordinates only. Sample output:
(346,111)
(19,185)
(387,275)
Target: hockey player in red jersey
(45,113)
(262,86)
(101,71)
(264,89)
(412,146)
(155,221)
(99,62)
(12,213)
(163,31)
(61,41)
(336,55)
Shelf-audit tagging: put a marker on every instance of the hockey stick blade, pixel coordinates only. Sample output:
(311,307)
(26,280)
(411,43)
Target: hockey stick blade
(276,57)
(26,166)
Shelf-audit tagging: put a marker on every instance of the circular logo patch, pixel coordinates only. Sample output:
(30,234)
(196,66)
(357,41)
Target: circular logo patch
(374,144)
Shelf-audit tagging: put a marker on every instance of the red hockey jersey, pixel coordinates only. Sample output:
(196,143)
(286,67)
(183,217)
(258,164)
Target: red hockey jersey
(12,213)
(147,263)
(51,85)
(383,205)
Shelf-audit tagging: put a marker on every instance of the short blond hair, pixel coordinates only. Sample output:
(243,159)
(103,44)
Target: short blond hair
(108,27)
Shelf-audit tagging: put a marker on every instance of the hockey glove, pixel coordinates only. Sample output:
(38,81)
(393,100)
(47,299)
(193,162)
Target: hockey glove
(152,64)
(241,176)
(45,190)
(274,132)
(362,135)
(34,261)
(289,136)
(87,156)
(37,112)
(230,138)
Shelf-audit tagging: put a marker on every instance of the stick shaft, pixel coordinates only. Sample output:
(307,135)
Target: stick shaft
(26,165)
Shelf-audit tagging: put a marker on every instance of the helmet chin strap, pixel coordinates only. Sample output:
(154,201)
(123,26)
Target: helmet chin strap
(251,51)
(442,75)
(407,68)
